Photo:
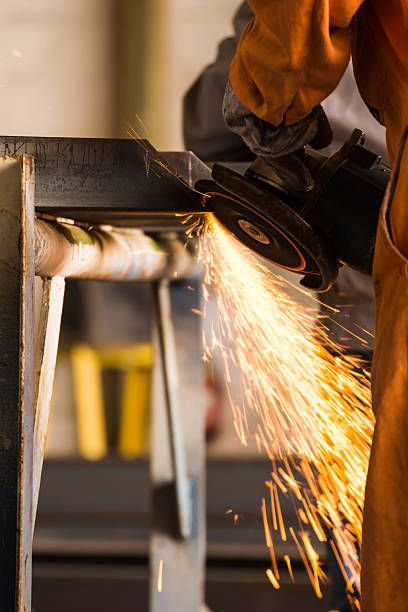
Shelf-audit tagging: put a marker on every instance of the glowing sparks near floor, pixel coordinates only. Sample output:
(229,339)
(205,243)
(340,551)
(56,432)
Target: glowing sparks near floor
(313,406)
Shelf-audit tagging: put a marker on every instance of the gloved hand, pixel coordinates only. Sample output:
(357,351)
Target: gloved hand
(279,146)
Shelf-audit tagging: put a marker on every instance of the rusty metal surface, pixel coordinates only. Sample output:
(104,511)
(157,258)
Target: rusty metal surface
(110,181)
(115,254)
(46,346)
(16,381)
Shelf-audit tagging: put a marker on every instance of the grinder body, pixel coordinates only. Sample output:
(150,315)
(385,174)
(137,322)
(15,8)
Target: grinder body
(346,213)
(310,233)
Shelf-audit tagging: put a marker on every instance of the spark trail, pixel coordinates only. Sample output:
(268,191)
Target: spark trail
(312,406)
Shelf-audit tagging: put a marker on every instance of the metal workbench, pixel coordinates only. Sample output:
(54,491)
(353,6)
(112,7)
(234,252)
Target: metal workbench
(74,186)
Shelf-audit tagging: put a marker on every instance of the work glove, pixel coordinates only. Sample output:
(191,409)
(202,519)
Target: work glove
(281,147)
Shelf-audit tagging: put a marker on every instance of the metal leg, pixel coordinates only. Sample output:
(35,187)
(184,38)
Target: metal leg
(45,356)
(177,462)
(167,348)
(16,380)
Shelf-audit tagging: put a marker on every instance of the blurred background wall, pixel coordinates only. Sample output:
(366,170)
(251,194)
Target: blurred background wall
(57,68)
(90,67)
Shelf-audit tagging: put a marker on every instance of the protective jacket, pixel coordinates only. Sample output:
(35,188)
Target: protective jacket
(290,57)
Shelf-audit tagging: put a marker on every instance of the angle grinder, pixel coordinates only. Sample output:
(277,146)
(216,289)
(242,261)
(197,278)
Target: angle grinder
(311,233)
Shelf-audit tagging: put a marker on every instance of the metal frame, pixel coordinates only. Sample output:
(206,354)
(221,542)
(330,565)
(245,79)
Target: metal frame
(27,369)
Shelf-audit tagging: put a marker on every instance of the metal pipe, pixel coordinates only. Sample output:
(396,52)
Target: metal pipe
(106,253)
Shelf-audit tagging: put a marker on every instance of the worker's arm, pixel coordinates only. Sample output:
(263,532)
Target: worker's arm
(291,56)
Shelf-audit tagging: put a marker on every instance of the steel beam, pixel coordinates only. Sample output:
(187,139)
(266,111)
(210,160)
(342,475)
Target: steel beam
(121,182)
(16,380)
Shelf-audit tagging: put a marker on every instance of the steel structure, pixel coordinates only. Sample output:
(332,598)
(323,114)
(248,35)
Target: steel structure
(76,186)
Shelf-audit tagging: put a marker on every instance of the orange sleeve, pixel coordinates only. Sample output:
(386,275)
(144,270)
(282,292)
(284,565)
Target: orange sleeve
(291,56)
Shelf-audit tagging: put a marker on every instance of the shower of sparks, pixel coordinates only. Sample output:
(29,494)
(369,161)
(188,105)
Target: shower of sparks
(312,405)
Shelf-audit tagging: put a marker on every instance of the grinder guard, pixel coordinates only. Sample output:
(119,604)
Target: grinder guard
(313,232)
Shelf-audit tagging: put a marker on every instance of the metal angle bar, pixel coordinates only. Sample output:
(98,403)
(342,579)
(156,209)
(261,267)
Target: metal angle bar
(86,174)
(16,380)
(167,349)
(45,356)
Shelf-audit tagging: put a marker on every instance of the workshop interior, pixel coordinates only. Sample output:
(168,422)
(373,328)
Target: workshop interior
(181,325)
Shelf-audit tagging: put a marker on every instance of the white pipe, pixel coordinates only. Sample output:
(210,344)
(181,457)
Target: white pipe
(106,253)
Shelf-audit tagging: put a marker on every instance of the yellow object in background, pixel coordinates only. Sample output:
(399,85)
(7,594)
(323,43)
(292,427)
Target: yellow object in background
(88,397)
(135,411)
(136,361)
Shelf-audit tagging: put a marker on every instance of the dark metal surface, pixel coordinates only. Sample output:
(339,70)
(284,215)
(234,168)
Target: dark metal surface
(16,381)
(118,182)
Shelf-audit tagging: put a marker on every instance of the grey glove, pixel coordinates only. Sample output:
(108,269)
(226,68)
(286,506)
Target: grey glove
(278,146)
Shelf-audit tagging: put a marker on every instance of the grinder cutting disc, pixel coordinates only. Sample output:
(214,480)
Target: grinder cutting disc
(265,223)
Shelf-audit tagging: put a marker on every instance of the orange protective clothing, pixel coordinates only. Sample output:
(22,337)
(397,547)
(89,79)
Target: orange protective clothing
(290,57)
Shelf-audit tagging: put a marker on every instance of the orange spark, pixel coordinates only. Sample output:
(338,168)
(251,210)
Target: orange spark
(266,525)
(287,561)
(272,579)
(280,519)
(268,537)
(196,311)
